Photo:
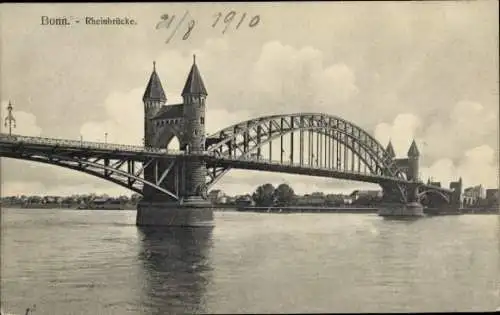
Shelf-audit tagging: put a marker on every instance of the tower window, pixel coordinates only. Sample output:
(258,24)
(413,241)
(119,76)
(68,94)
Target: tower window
(195,132)
(202,120)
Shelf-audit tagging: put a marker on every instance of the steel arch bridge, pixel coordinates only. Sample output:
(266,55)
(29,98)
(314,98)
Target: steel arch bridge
(311,144)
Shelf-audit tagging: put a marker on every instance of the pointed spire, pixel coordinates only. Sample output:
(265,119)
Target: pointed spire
(413,151)
(154,90)
(194,84)
(390,149)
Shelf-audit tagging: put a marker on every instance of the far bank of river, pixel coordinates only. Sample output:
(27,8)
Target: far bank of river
(275,209)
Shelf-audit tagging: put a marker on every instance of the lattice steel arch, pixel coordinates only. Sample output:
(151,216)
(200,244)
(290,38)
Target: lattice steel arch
(238,136)
(129,179)
(444,196)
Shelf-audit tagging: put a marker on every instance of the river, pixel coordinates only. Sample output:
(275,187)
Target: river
(99,262)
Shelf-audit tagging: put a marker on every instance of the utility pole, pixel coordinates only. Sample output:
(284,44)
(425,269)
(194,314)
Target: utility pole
(10,120)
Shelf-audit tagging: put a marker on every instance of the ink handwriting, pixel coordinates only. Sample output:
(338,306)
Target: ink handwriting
(221,21)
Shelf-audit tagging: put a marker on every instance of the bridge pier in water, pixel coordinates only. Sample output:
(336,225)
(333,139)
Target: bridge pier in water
(412,208)
(186,177)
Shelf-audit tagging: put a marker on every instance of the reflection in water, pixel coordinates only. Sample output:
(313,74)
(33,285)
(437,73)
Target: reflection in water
(176,268)
(97,262)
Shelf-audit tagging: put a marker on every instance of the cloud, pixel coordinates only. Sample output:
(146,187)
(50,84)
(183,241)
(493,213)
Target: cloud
(477,166)
(400,132)
(293,79)
(124,120)
(468,125)
(458,145)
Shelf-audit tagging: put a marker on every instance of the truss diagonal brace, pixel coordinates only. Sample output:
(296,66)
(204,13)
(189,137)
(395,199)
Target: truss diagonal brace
(165,173)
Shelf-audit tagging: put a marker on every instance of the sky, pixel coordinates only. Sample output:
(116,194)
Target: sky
(400,70)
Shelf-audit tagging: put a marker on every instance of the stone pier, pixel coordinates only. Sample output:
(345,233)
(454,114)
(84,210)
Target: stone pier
(410,210)
(192,213)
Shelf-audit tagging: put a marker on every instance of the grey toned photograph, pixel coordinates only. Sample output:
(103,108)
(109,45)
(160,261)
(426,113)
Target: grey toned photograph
(249,158)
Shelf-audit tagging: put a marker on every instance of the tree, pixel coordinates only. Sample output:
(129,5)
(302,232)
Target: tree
(264,195)
(284,195)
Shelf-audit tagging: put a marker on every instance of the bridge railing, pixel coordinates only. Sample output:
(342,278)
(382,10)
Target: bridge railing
(84,144)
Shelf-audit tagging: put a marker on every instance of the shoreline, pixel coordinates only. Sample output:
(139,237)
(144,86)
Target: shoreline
(274,209)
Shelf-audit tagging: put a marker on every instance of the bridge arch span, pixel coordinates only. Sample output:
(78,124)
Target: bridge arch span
(427,192)
(245,140)
(279,125)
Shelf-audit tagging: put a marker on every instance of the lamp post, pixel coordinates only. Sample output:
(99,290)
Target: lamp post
(10,120)
(105,137)
(81,140)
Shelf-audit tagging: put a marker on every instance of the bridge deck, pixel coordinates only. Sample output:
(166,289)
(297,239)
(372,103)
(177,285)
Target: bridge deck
(9,141)
(8,144)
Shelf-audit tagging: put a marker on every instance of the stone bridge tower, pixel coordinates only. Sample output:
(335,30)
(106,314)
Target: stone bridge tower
(187,177)
(194,95)
(413,159)
(154,100)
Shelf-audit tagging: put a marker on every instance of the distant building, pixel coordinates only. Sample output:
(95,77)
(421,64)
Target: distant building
(215,195)
(473,195)
(336,199)
(245,200)
(372,194)
(315,199)
(456,196)
(366,197)
(492,196)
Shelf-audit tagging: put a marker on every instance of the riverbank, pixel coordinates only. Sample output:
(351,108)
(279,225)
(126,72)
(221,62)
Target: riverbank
(292,209)
(309,209)
(68,206)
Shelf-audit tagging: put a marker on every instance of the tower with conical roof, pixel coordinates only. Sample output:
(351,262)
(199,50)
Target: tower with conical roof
(390,150)
(154,98)
(413,158)
(194,95)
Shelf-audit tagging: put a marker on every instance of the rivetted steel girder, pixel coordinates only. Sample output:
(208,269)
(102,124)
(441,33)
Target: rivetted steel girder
(267,128)
(102,168)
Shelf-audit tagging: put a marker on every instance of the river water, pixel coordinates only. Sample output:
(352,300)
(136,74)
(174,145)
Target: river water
(99,262)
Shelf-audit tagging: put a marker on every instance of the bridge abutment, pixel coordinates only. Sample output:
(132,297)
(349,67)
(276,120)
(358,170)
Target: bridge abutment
(174,214)
(411,209)
(192,209)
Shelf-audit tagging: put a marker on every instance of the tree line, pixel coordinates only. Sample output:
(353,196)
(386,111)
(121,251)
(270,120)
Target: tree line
(267,195)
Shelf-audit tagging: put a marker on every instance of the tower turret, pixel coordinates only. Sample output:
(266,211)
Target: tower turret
(413,151)
(154,98)
(194,95)
(413,157)
(390,150)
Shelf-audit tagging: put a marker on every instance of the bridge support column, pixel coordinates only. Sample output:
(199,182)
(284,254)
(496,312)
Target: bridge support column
(171,214)
(190,210)
(411,209)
